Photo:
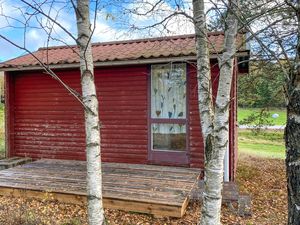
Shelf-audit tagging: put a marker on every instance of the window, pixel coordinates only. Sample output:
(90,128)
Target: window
(168,107)
(169,136)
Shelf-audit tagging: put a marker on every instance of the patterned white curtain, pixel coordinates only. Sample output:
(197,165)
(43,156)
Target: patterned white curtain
(168,94)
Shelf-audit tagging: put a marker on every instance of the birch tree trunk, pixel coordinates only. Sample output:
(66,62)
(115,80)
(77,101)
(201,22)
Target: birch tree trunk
(214,120)
(203,74)
(92,128)
(292,134)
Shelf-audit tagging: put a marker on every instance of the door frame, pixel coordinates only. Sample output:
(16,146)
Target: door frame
(168,157)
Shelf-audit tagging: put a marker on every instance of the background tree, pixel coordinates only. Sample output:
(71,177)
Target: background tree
(261,91)
(292,130)
(43,15)
(274,27)
(262,87)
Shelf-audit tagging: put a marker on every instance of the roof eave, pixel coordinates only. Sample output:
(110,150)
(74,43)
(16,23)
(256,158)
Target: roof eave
(118,63)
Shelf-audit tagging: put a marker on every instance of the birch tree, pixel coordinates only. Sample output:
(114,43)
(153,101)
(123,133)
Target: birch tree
(214,117)
(88,99)
(92,128)
(278,39)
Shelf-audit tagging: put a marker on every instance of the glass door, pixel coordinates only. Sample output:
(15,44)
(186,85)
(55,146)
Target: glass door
(168,123)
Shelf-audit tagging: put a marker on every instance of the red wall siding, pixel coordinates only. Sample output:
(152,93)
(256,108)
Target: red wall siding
(123,112)
(48,121)
(196,140)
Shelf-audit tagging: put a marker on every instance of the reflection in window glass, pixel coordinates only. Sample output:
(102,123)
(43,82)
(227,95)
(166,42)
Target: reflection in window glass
(168,137)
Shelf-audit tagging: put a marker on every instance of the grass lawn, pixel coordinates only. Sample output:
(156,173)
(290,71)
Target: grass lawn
(246,112)
(269,144)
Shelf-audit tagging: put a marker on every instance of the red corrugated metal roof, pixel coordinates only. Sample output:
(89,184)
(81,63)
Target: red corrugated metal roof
(161,47)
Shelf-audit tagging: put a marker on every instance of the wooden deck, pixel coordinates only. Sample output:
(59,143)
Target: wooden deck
(158,190)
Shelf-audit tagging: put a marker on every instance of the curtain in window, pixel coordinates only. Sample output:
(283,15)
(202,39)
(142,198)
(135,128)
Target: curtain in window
(168,91)
(168,95)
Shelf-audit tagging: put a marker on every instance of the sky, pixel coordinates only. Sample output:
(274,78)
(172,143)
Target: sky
(24,27)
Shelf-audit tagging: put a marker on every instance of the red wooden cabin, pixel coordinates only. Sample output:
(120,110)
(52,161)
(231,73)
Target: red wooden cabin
(148,104)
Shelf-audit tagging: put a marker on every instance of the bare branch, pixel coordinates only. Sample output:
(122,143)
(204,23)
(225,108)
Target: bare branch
(50,18)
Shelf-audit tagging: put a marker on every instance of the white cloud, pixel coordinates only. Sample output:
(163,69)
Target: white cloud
(143,18)
(33,36)
(176,25)
(9,12)
(104,32)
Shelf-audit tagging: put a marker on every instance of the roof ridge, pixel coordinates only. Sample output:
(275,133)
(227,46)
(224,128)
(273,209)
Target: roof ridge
(130,41)
(184,36)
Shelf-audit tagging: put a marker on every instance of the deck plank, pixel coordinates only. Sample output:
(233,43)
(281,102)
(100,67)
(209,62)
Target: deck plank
(159,190)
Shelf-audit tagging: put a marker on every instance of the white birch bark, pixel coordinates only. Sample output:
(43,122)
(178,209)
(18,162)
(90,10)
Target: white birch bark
(203,70)
(214,121)
(92,127)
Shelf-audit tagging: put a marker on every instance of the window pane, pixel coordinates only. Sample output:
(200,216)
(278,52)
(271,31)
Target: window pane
(168,136)
(168,91)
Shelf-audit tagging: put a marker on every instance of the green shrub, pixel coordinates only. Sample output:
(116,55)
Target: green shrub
(258,120)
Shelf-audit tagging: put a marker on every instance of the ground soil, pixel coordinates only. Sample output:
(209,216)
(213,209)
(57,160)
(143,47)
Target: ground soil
(262,179)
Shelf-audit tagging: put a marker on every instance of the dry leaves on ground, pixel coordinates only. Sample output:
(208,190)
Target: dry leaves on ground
(263,179)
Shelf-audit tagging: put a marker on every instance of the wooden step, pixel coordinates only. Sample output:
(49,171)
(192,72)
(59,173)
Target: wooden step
(12,162)
(230,192)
